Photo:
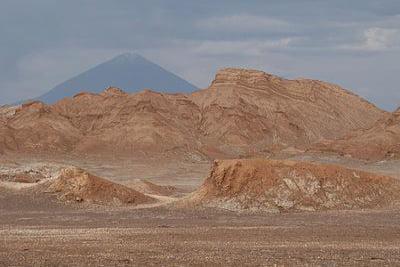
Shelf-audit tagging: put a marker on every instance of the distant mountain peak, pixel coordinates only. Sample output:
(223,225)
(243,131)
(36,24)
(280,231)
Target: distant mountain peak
(129,56)
(128,71)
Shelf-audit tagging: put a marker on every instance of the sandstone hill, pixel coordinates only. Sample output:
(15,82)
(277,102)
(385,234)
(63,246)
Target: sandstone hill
(381,141)
(242,113)
(283,186)
(245,110)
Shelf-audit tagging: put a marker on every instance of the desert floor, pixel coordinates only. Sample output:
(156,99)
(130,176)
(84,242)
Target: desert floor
(44,232)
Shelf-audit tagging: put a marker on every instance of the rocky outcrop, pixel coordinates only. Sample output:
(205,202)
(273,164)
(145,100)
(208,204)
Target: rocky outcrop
(7,112)
(243,113)
(285,186)
(245,110)
(113,91)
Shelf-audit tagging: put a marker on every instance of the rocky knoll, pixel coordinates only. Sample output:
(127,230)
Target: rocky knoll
(242,113)
(381,141)
(283,186)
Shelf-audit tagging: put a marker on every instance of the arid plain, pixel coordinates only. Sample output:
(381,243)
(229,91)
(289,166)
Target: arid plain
(254,170)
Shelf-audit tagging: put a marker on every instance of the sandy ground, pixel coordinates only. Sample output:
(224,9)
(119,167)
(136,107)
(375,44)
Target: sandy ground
(39,231)
(185,238)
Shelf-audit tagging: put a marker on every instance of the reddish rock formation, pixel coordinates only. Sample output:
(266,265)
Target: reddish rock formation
(247,110)
(282,186)
(243,113)
(381,141)
(36,127)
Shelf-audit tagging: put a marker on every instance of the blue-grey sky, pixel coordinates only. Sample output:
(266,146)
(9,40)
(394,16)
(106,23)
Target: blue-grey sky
(355,44)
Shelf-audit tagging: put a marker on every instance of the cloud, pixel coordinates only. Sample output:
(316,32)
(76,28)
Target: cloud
(242,23)
(376,39)
(202,59)
(380,39)
(249,47)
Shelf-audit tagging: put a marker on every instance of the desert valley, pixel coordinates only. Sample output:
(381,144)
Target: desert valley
(254,170)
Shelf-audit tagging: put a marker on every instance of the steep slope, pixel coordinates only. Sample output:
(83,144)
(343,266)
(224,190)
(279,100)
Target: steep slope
(243,113)
(378,142)
(129,71)
(244,110)
(282,186)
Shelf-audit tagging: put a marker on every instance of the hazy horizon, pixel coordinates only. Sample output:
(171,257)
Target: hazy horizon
(355,45)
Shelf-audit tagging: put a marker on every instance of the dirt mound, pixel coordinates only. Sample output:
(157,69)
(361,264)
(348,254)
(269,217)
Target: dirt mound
(242,113)
(382,141)
(282,186)
(74,184)
(146,187)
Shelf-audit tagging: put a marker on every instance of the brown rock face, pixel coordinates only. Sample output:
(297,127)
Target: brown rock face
(280,186)
(242,113)
(6,138)
(36,127)
(142,123)
(253,109)
(381,141)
